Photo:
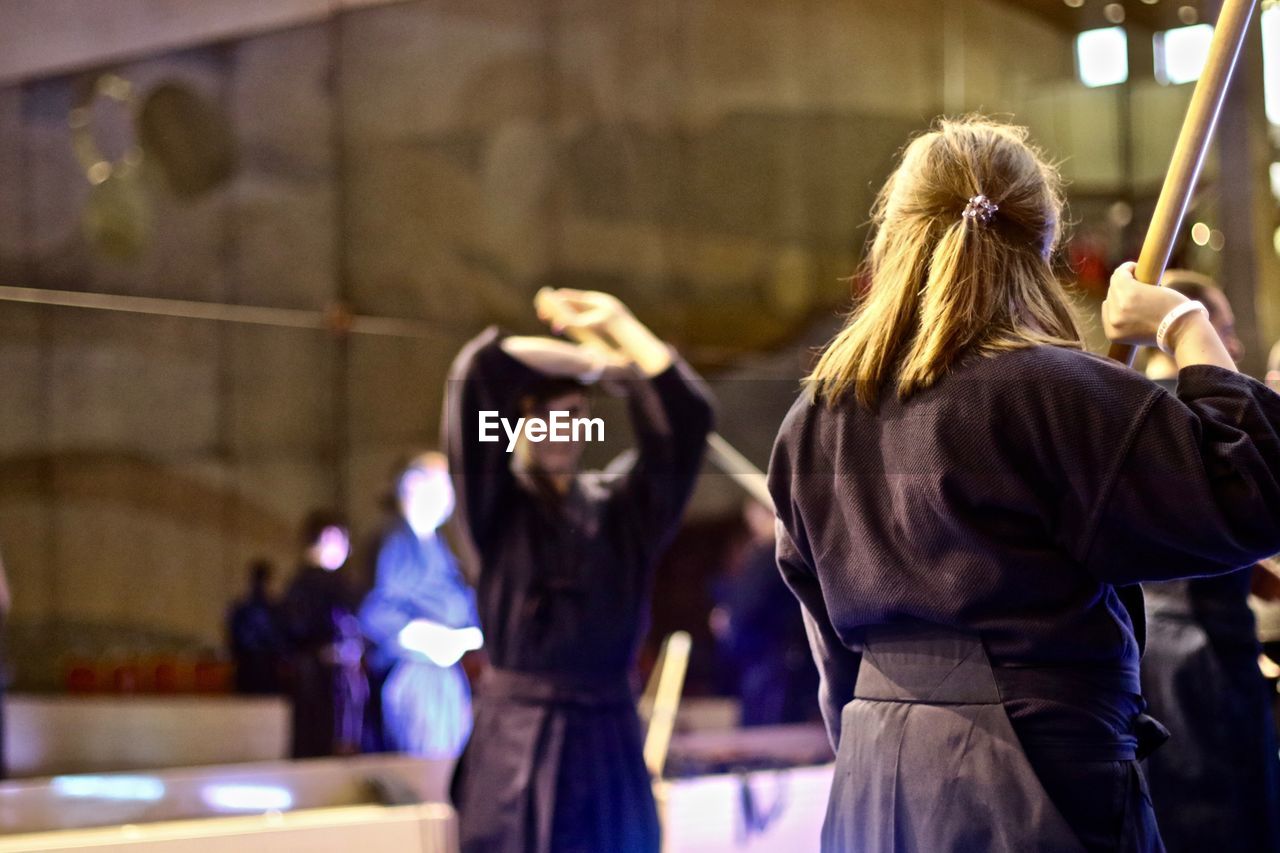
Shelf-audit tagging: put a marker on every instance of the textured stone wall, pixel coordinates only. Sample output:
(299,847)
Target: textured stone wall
(711,162)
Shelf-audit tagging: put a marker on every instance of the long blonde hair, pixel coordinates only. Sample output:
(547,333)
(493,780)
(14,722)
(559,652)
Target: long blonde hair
(943,284)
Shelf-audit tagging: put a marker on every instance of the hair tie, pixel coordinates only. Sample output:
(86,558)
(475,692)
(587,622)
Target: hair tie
(980,209)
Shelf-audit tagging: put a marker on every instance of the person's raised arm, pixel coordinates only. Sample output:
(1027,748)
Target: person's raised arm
(1195,489)
(601,321)
(670,408)
(485,385)
(1134,314)
(556,358)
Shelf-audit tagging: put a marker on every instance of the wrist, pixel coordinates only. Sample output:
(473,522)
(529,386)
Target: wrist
(1188,330)
(1176,321)
(623,329)
(1195,341)
(594,369)
(642,347)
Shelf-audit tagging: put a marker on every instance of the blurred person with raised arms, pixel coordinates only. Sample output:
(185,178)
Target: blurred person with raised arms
(962,495)
(566,559)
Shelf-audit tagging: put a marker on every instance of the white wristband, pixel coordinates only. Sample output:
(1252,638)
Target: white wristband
(1188,307)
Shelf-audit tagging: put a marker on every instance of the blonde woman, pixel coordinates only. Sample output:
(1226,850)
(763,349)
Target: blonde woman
(962,495)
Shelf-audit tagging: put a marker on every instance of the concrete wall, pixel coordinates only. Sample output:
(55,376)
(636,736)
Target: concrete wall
(712,162)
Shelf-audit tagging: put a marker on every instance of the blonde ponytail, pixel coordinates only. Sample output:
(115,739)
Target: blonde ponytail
(945,282)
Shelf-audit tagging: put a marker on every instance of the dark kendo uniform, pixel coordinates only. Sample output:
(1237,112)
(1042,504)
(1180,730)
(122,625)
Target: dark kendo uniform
(765,641)
(257,644)
(425,708)
(959,558)
(555,762)
(327,682)
(1216,785)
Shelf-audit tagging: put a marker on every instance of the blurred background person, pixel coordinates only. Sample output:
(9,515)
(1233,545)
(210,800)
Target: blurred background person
(1264,599)
(420,618)
(255,634)
(1217,781)
(566,564)
(760,631)
(327,680)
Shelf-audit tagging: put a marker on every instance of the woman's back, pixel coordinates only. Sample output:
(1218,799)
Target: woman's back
(971,503)
(1010,497)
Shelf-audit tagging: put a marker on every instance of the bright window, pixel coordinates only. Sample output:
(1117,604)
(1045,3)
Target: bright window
(1102,56)
(1180,53)
(1271,61)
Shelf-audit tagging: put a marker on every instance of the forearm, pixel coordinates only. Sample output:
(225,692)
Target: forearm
(601,322)
(438,643)
(671,415)
(639,345)
(554,357)
(1195,341)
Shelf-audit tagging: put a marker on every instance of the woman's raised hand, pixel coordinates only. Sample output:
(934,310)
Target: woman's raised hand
(1132,311)
(580,314)
(600,320)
